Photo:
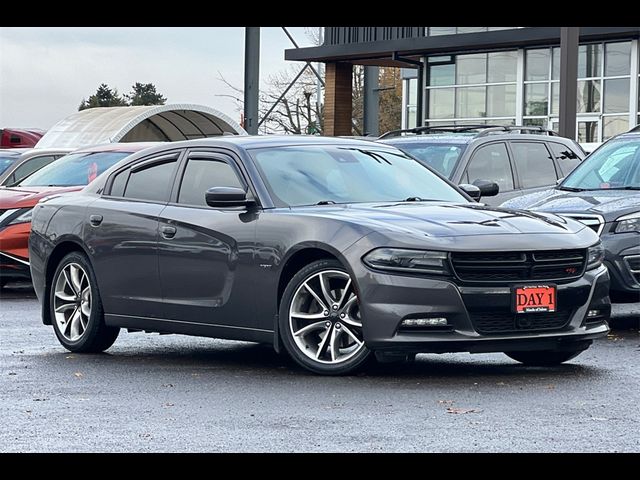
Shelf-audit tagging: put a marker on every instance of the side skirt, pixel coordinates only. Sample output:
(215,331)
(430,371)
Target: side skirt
(190,328)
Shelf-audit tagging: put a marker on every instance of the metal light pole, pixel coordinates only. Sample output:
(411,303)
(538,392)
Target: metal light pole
(251,78)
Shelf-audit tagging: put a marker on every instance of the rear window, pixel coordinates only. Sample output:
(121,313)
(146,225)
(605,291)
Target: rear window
(75,169)
(565,157)
(442,157)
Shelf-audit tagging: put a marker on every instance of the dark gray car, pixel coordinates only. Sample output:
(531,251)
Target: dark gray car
(519,162)
(604,193)
(332,249)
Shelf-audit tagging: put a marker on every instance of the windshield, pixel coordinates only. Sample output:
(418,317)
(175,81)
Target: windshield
(74,169)
(615,165)
(7,161)
(309,175)
(441,157)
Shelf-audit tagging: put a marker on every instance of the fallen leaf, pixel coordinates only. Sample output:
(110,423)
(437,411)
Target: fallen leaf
(78,375)
(445,402)
(12,373)
(169,385)
(168,404)
(460,411)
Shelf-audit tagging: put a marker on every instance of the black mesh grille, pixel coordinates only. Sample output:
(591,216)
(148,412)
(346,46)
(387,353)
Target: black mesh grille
(505,322)
(517,266)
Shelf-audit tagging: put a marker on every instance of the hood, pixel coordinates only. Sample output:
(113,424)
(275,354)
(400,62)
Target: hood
(24,197)
(609,203)
(444,219)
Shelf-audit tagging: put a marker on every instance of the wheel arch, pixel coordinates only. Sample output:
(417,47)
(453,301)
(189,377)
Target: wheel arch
(62,249)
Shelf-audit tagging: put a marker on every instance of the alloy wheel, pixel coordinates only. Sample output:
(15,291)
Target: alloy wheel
(72,301)
(324,318)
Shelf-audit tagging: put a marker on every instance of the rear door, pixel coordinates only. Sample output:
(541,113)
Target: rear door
(206,254)
(534,166)
(122,234)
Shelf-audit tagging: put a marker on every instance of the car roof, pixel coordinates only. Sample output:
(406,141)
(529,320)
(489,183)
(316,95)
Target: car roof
(12,152)
(466,138)
(119,147)
(261,141)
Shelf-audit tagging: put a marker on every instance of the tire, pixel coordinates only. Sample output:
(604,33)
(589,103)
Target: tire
(332,341)
(79,323)
(543,358)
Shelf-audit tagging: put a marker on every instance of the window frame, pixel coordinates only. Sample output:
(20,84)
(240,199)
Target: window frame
(208,156)
(520,185)
(472,154)
(140,164)
(214,154)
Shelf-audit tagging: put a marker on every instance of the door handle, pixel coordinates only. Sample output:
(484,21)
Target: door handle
(95,220)
(168,232)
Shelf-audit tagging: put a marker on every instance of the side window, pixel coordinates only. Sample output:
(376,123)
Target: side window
(119,183)
(151,182)
(491,162)
(566,158)
(534,164)
(202,174)
(30,166)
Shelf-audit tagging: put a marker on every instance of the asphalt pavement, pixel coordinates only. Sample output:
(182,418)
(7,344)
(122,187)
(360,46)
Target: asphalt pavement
(153,393)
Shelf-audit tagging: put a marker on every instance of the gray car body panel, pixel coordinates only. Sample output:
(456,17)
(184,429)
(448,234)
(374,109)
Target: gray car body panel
(233,259)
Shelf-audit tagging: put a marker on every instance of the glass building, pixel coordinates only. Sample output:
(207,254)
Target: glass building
(490,75)
(521,86)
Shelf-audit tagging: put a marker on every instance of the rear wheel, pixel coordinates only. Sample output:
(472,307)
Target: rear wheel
(320,320)
(76,308)
(543,358)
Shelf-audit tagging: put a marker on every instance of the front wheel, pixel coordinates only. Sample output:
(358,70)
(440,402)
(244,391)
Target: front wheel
(543,358)
(76,308)
(320,320)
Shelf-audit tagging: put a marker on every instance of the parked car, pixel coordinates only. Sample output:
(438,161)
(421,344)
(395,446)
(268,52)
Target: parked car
(28,162)
(20,137)
(68,174)
(331,249)
(8,158)
(604,193)
(518,162)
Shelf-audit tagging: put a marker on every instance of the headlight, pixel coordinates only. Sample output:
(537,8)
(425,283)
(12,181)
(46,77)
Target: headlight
(16,215)
(401,260)
(595,256)
(628,223)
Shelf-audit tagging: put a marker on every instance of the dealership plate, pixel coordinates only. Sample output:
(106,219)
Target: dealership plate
(534,298)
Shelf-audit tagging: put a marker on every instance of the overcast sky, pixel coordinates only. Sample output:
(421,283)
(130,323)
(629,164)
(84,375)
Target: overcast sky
(46,72)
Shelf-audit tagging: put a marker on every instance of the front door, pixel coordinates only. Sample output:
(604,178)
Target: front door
(206,255)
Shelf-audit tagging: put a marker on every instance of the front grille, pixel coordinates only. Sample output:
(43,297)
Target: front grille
(508,322)
(594,222)
(491,267)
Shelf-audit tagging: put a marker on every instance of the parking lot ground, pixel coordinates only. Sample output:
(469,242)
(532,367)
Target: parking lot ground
(153,393)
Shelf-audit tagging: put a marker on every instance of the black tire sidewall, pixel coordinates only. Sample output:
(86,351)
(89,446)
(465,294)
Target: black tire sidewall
(348,367)
(96,319)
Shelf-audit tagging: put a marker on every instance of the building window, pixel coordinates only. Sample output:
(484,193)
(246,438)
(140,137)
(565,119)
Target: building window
(603,89)
(478,88)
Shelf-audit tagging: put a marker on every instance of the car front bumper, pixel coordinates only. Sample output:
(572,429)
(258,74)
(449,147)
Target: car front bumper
(14,253)
(388,299)
(619,248)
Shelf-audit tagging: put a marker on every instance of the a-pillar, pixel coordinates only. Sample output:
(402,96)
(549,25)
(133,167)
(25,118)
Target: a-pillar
(338,109)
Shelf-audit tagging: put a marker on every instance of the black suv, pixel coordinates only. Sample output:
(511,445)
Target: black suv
(604,193)
(518,162)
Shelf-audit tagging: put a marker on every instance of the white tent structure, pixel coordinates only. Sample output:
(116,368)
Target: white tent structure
(167,123)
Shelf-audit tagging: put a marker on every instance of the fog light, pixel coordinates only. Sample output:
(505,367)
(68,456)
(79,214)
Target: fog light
(425,322)
(593,313)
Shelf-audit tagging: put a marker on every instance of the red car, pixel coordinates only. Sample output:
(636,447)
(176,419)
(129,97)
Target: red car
(19,137)
(68,174)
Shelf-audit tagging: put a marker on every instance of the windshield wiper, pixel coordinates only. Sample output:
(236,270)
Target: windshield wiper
(419,199)
(570,189)
(627,187)
(326,202)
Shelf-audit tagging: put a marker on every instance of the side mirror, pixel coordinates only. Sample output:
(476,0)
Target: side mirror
(487,188)
(471,190)
(220,197)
